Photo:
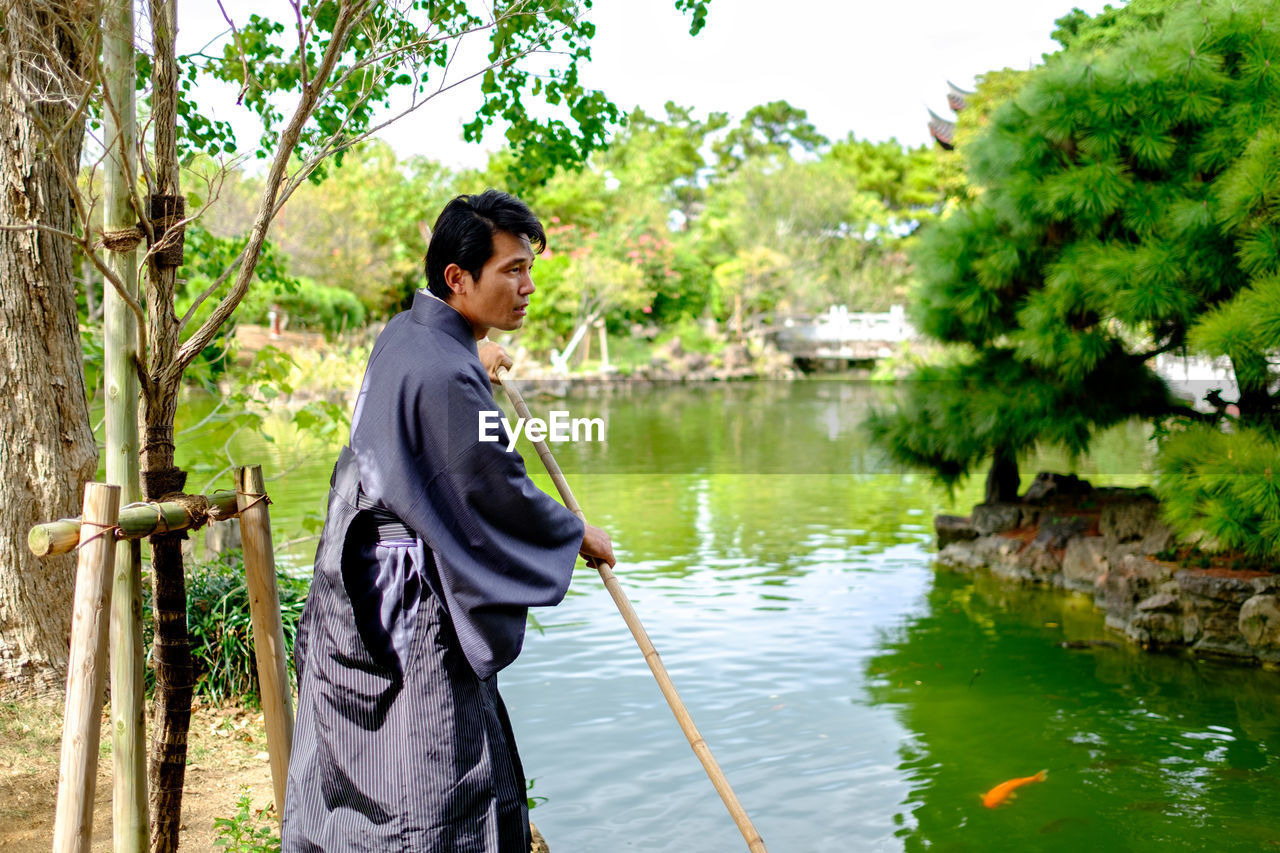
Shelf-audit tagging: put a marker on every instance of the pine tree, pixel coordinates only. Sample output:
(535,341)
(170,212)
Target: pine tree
(1126,204)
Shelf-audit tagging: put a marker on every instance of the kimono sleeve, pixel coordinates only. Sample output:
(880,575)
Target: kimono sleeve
(500,544)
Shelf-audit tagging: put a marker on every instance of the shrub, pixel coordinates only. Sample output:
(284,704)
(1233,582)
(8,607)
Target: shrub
(223,664)
(310,305)
(250,831)
(1223,488)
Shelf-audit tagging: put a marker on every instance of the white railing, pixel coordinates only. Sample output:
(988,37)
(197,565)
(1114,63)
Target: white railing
(841,324)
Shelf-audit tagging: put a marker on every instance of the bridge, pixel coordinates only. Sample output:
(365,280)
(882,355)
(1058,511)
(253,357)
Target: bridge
(839,336)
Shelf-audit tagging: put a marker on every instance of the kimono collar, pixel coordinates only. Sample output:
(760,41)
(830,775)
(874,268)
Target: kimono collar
(430,310)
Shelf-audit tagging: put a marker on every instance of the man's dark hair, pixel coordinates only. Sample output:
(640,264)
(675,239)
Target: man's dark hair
(463,234)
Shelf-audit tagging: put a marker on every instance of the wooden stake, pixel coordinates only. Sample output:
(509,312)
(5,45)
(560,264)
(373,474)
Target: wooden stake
(120,377)
(86,673)
(268,632)
(739,814)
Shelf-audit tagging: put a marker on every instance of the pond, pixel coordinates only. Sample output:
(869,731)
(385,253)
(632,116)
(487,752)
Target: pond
(856,698)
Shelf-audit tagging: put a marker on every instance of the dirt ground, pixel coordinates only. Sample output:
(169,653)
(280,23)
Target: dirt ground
(227,756)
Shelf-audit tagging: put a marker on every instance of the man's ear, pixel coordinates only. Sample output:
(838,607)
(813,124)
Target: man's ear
(456,278)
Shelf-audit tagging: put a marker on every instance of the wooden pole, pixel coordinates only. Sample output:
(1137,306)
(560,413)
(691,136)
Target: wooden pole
(120,377)
(604,344)
(82,715)
(739,814)
(268,632)
(137,521)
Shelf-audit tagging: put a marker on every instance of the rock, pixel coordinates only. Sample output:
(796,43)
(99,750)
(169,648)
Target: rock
(735,357)
(1056,534)
(996,518)
(1125,585)
(539,843)
(1129,520)
(1190,628)
(1115,554)
(960,556)
(1134,518)
(1159,601)
(953,528)
(672,350)
(1089,644)
(995,551)
(1217,585)
(1259,622)
(1155,628)
(1048,484)
(695,362)
(1084,563)
(1220,633)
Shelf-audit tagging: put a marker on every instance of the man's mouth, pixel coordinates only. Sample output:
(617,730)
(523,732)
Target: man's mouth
(521,309)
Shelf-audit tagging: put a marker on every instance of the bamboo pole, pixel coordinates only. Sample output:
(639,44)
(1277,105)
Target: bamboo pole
(81,718)
(739,814)
(137,521)
(130,832)
(268,632)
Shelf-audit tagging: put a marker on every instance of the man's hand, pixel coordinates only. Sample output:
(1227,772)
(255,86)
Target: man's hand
(597,547)
(492,357)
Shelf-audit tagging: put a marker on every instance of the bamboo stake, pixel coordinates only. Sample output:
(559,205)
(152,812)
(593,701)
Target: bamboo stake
(268,632)
(137,521)
(81,718)
(130,832)
(739,814)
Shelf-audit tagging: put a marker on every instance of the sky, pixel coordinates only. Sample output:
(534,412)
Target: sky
(867,67)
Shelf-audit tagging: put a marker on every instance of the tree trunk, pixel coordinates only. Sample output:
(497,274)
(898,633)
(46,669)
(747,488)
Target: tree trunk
(172,650)
(1003,478)
(1257,406)
(47,449)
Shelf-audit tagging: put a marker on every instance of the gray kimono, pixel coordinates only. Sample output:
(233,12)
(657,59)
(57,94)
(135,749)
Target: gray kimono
(434,546)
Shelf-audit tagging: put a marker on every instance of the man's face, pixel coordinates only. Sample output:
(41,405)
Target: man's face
(499,298)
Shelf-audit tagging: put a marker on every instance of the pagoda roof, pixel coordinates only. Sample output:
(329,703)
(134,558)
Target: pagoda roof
(957,98)
(942,130)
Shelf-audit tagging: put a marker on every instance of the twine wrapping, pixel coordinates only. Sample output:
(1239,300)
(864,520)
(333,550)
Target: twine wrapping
(124,240)
(102,531)
(257,499)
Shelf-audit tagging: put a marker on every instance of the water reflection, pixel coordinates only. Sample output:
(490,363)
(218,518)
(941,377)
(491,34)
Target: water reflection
(1142,750)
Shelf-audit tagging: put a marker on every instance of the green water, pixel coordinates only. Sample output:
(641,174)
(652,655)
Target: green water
(856,698)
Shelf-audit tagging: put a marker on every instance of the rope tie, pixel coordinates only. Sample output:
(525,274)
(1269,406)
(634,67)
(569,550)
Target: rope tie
(257,499)
(216,514)
(124,240)
(103,529)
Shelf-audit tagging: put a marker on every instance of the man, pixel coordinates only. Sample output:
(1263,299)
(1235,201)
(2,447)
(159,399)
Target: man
(434,547)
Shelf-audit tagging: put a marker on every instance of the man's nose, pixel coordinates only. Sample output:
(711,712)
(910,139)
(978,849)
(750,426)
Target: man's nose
(527,286)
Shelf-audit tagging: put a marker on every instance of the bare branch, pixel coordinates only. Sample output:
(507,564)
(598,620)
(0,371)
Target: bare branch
(244,62)
(348,14)
(303,32)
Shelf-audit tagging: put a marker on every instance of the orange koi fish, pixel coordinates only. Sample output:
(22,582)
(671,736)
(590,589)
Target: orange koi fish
(1004,790)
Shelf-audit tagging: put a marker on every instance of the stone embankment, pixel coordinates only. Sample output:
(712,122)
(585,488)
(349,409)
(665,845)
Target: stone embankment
(669,363)
(1104,542)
